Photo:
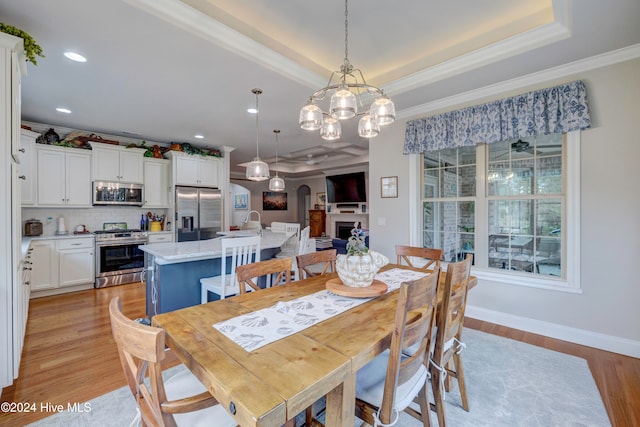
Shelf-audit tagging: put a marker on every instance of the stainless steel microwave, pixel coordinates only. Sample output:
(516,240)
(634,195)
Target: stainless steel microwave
(117,193)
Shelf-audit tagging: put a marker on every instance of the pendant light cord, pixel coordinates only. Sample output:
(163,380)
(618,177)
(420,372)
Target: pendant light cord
(276,131)
(257,92)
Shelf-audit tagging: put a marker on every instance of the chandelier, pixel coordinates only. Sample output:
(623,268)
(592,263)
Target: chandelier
(257,170)
(349,92)
(276,183)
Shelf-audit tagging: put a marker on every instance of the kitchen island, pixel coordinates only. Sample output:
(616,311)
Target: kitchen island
(173,270)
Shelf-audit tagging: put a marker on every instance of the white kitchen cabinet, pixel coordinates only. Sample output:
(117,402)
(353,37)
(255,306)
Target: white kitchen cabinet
(27,168)
(64,176)
(113,163)
(12,69)
(44,267)
(76,261)
(62,265)
(156,183)
(196,171)
(160,237)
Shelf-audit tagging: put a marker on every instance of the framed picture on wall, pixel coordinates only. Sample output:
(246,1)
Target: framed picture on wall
(389,186)
(321,199)
(241,201)
(274,201)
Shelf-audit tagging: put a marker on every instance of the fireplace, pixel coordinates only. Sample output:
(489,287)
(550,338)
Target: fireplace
(343,229)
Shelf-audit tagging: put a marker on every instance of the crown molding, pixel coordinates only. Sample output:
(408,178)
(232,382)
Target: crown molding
(570,69)
(185,17)
(558,30)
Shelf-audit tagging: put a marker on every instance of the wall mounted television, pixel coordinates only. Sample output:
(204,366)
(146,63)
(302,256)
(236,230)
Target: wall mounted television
(347,188)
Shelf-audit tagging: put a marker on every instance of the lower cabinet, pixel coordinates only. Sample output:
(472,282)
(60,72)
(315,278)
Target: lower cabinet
(62,265)
(160,237)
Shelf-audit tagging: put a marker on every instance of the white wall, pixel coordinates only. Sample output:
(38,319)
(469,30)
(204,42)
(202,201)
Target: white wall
(606,313)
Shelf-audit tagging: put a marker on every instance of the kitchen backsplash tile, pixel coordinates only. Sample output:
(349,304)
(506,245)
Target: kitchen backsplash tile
(92,218)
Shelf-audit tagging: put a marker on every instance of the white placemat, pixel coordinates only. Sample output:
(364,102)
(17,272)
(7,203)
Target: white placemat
(256,329)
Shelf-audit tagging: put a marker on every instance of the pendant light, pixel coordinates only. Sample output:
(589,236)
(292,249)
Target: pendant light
(276,183)
(257,170)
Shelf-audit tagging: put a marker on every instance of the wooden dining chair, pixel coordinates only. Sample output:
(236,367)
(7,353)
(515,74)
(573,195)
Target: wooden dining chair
(316,263)
(180,400)
(389,383)
(241,250)
(431,256)
(446,355)
(275,271)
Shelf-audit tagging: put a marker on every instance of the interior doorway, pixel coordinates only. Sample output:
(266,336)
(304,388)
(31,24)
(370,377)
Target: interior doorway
(304,204)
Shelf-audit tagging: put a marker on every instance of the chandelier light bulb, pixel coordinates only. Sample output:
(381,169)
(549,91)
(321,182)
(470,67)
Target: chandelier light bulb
(383,110)
(343,104)
(331,129)
(310,117)
(368,127)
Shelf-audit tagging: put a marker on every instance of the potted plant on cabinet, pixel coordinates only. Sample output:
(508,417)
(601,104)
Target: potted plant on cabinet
(31,48)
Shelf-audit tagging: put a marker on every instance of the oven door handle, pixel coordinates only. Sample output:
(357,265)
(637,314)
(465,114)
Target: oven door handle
(121,243)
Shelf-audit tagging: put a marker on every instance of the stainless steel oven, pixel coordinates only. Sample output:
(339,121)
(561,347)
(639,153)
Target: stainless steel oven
(119,259)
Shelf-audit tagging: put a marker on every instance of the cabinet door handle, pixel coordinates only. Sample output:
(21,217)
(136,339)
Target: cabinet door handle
(22,150)
(76,244)
(22,177)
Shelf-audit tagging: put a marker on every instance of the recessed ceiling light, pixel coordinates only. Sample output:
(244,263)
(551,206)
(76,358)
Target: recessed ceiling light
(75,57)
(252,111)
(63,110)
(198,136)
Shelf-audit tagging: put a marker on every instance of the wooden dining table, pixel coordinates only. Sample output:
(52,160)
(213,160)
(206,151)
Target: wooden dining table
(269,386)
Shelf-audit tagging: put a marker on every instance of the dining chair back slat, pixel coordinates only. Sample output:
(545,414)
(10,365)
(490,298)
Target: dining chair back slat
(324,262)
(276,270)
(409,254)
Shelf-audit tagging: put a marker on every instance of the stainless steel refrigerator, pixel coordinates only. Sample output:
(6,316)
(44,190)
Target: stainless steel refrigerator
(198,213)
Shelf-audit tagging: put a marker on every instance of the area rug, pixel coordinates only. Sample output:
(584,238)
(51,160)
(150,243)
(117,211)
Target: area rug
(509,384)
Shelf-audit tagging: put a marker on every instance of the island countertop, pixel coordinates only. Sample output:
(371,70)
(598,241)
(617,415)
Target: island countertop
(177,252)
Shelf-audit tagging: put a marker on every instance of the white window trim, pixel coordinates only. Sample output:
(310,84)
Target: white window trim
(571,227)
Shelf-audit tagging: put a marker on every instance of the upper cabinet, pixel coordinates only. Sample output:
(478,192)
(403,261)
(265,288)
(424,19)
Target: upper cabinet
(64,176)
(156,183)
(114,163)
(27,167)
(197,171)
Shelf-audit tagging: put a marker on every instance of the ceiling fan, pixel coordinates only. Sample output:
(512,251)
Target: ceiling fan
(312,160)
(521,146)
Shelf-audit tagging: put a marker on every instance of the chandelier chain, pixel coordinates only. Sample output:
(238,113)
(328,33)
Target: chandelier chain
(346,32)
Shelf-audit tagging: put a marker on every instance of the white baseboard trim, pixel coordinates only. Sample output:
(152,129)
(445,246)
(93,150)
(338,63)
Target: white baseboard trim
(597,340)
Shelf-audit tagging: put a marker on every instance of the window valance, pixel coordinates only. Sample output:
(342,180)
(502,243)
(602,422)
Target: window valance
(558,109)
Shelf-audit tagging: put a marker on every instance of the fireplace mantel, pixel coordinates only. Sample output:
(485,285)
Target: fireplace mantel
(346,217)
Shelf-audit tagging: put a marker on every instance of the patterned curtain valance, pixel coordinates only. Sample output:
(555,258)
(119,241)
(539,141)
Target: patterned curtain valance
(558,109)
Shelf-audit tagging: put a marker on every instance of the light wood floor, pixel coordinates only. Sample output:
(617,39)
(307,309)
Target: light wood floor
(69,356)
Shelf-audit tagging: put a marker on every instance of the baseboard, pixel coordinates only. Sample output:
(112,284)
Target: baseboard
(597,340)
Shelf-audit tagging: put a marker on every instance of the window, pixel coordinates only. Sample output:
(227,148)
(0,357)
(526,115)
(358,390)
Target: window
(508,204)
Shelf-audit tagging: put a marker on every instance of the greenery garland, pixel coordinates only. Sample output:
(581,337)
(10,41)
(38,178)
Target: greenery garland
(31,48)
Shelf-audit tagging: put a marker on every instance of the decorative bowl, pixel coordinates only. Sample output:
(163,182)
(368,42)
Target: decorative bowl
(359,270)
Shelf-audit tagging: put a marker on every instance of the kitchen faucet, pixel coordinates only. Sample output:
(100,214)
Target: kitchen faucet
(246,221)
